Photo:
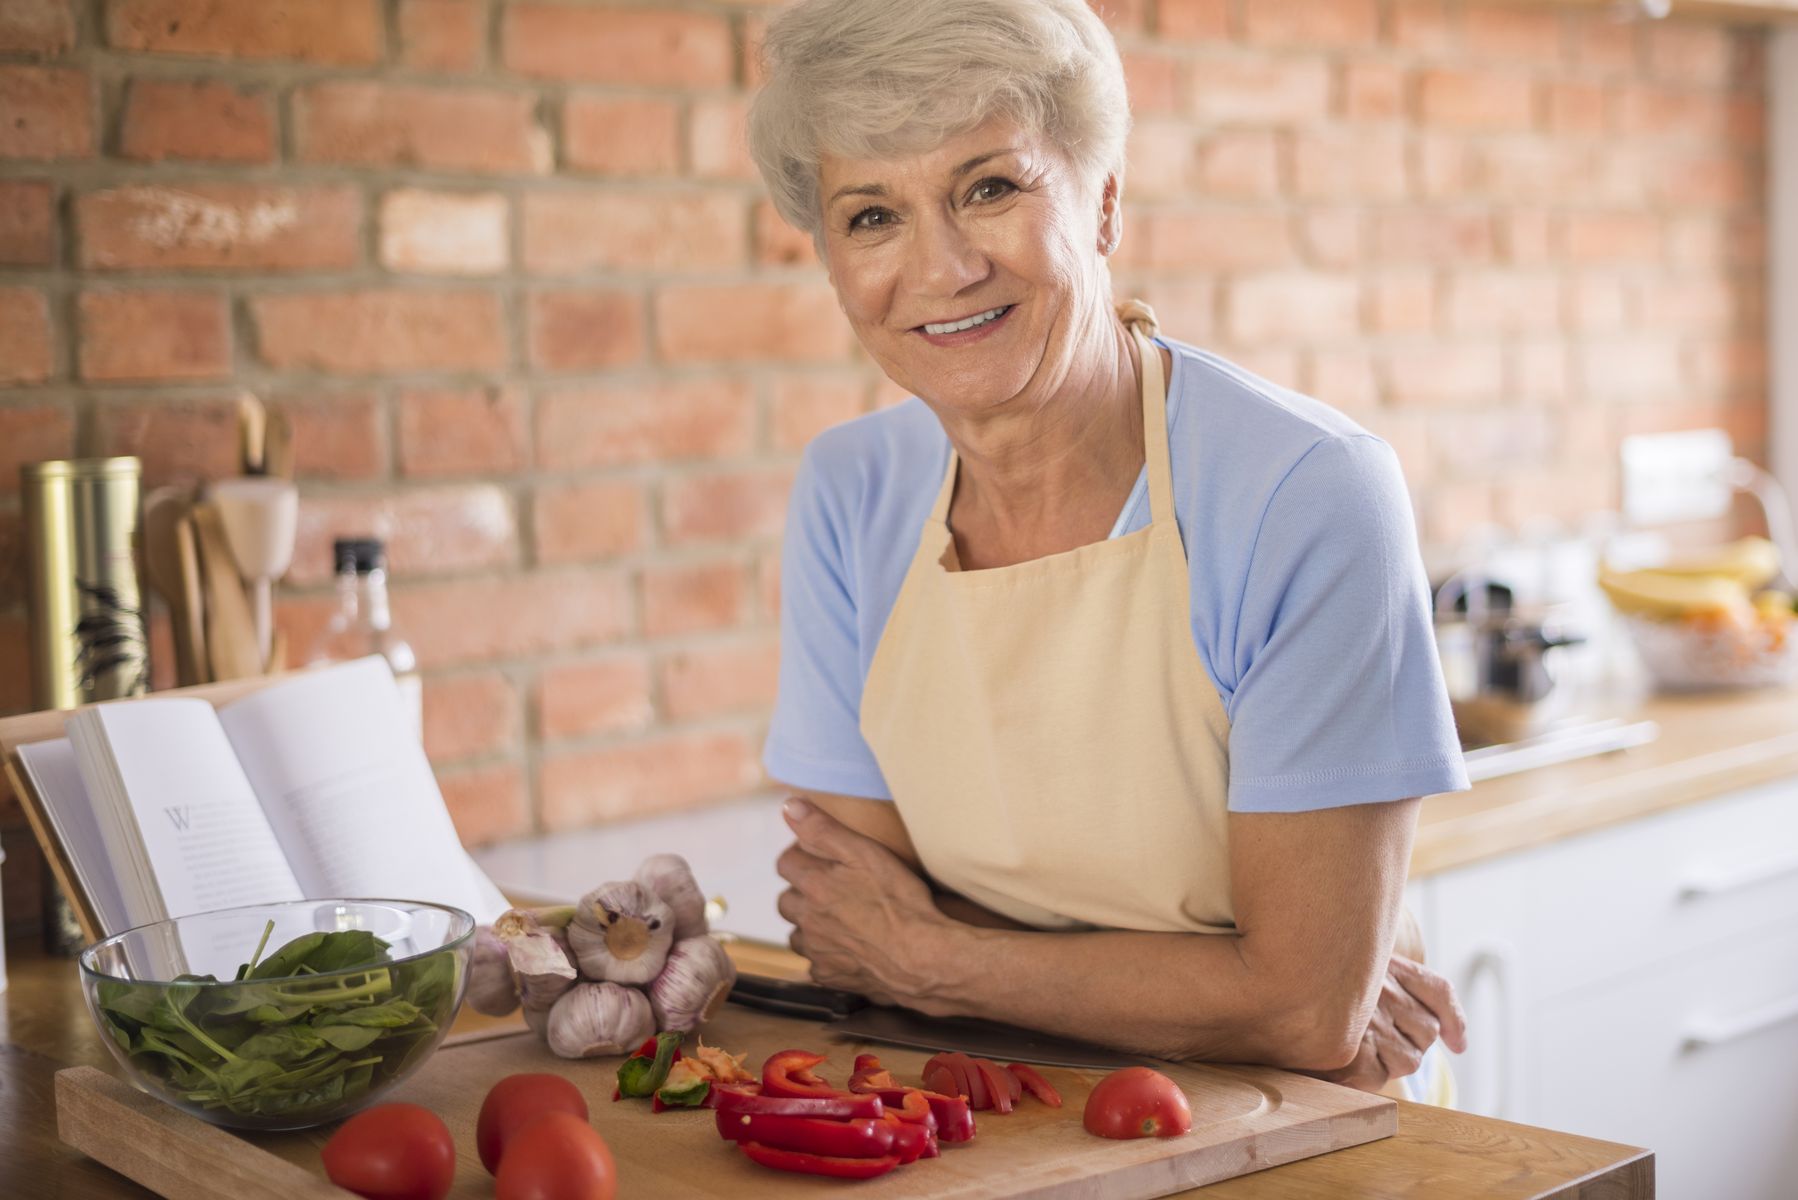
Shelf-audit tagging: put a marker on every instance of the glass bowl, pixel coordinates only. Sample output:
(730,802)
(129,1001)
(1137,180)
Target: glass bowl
(345,999)
(1695,654)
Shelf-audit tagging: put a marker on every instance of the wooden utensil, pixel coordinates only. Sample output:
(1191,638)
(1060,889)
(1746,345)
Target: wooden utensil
(252,429)
(261,516)
(277,451)
(193,603)
(230,629)
(164,509)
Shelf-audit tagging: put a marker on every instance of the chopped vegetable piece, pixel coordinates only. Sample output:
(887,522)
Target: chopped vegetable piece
(640,1075)
(1035,1084)
(819,1164)
(789,1073)
(909,1141)
(724,1067)
(844,1106)
(998,1083)
(870,1076)
(685,1087)
(840,1139)
(1137,1102)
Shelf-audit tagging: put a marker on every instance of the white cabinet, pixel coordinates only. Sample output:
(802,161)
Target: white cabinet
(1640,984)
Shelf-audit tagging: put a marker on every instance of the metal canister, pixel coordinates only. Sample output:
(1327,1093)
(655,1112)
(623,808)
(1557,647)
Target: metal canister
(87,613)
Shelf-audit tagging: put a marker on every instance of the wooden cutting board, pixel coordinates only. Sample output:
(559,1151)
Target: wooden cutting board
(1244,1119)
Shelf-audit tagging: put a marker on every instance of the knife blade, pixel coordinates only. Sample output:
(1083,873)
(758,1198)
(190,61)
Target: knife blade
(849,1013)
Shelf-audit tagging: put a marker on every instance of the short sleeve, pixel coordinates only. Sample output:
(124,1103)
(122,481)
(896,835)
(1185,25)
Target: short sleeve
(815,740)
(1339,697)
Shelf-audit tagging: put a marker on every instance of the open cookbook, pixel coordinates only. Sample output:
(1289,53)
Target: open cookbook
(313,787)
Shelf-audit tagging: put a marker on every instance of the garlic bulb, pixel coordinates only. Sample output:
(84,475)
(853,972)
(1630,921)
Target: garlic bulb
(693,984)
(671,879)
(539,964)
(621,933)
(597,1019)
(490,987)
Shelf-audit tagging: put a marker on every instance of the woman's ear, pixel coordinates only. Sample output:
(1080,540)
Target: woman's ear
(1111,214)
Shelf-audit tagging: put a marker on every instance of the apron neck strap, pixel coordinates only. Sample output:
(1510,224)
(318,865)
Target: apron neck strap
(1139,319)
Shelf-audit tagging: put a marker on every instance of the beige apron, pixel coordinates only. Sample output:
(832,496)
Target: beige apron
(1054,744)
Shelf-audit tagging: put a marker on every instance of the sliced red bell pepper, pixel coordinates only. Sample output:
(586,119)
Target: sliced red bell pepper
(810,1135)
(954,1116)
(938,1078)
(1035,1084)
(870,1076)
(843,1106)
(908,1104)
(789,1073)
(998,1085)
(909,1140)
(735,1089)
(819,1164)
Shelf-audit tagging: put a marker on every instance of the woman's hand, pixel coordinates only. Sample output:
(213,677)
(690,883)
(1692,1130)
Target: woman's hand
(1416,1006)
(861,916)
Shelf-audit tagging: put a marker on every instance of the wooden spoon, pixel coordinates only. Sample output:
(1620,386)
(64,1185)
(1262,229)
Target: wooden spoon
(193,603)
(230,629)
(164,510)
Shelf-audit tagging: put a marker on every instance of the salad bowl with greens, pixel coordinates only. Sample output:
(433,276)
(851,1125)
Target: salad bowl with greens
(280,1016)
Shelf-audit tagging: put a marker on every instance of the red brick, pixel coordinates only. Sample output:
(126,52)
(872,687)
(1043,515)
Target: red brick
(470,716)
(42,28)
(767,583)
(1430,375)
(144,335)
(25,339)
(1402,303)
(1707,179)
(428,531)
(1155,81)
(566,232)
(1605,47)
(1489,101)
(1489,303)
(1345,379)
(623,424)
(344,32)
(1186,307)
(487,804)
(178,441)
(1333,237)
(778,244)
(445,233)
(726,505)
(1651,111)
(1514,34)
(580,521)
(1422,25)
(807,405)
(646,47)
(1193,20)
(485,620)
(481,130)
(1449,511)
(12,557)
(335,436)
(626,136)
(442,35)
(1632,369)
(31,434)
(1313,23)
(1618,237)
(1434,235)
(1365,164)
(1526,235)
(201,120)
(750,322)
(1735,367)
(27,223)
(1121,16)
(642,779)
(1540,373)
(378,331)
(1691,52)
(1213,239)
(15,666)
(718,140)
(693,597)
(1238,164)
(1708,305)
(609,695)
(586,330)
(1576,109)
(707,681)
(49,113)
(1597,304)
(462,431)
(1373,91)
(1261,89)
(220,226)
(1160,159)
(1291,308)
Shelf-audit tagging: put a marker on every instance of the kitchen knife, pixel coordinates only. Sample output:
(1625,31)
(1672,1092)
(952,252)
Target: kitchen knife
(855,1016)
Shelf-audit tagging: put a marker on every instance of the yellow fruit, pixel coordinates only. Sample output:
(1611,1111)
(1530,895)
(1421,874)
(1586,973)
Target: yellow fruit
(1749,561)
(1661,594)
(1773,604)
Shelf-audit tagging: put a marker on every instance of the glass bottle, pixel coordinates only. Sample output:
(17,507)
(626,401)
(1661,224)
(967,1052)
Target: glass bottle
(363,622)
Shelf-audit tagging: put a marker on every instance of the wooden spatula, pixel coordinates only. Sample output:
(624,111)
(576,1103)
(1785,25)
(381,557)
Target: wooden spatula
(164,510)
(230,629)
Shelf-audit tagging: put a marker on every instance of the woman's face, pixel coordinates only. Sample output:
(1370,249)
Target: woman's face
(993,226)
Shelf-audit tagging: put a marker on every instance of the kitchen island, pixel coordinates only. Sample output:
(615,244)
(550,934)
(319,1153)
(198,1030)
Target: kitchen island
(1435,1153)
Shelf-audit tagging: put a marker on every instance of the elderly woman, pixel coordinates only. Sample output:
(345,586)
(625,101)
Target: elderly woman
(1107,684)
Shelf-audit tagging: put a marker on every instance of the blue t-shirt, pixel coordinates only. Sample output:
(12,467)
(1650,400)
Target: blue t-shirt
(1310,609)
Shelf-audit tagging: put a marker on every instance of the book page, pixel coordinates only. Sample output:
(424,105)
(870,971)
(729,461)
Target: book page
(49,767)
(348,790)
(201,830)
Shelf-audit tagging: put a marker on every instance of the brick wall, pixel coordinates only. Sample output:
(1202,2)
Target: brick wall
(506,264)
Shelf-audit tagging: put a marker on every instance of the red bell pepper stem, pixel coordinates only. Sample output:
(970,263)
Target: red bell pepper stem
(819,1164)
(840,1107)
(809,1135)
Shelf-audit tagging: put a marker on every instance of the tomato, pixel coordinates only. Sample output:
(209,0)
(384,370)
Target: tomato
(515,1102)
(557,1157)
(1032,1080)
(1137,1102)
(393,1152)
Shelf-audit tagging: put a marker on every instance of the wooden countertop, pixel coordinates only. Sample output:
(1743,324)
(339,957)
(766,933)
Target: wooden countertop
(1709,745)
(1435,1153)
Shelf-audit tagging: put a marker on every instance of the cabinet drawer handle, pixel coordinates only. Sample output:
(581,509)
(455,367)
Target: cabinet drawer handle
(1701,886)
(1704,1032)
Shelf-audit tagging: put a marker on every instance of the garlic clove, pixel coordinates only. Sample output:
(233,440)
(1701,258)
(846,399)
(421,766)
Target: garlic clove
(621,933)
(491,989)
(670,878)
(598,1019)
(693,985)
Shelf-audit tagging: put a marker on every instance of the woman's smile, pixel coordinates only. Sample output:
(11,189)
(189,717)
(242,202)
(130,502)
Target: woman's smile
(965,330)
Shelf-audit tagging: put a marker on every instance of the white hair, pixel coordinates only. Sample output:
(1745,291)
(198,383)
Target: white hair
(875,78)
